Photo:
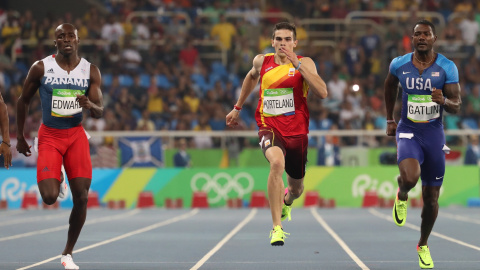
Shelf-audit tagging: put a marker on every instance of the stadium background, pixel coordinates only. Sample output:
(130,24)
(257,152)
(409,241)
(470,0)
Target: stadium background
(173,70)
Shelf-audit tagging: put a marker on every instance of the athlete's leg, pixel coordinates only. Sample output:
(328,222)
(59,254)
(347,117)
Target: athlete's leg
(429,212)
(275,184)
(49,189)
(79,187)
(295,189)
(409,175)
(49,165)
(295,162)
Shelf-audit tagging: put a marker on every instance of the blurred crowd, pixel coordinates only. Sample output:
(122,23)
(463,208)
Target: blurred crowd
(182,67)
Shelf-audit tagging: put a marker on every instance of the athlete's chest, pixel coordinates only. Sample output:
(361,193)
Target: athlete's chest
(413,81)
(282,76)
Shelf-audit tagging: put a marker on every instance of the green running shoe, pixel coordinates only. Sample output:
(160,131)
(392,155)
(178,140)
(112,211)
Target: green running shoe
(424,259)
(399,212)
(278,236)
(286,209)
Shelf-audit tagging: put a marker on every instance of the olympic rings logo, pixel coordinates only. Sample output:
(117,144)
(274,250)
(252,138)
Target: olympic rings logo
(222,184)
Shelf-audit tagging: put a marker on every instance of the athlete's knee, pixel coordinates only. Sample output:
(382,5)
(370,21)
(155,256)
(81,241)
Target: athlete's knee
(296,192)
(277,165)
(50,198)
(81,199)
(408,180)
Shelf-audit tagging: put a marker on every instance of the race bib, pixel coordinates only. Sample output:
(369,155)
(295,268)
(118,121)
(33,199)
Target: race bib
(278,102)
(64,102)
(421,108)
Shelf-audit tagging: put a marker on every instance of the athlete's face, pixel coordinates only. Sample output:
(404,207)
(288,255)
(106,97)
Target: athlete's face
(283,38)
(66,39)
(423,38)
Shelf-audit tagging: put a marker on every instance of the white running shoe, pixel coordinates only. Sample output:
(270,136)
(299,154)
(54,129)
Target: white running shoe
(63,184)
(68,263)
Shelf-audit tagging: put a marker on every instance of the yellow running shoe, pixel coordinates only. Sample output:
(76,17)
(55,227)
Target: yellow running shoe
(278,236)
(399,212)
(424,259)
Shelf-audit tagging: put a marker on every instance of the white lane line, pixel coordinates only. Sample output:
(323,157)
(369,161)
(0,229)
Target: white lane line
(338,239)
(64,227)
(120,237)
(413,227)
(33,219)
(7,213)
(461,218)
(225,239)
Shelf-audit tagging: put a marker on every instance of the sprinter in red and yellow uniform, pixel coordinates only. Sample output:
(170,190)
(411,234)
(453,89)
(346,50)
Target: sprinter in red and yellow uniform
(282,117)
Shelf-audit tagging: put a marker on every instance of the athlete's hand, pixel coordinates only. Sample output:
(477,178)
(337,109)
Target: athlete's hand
(84,101)
(7,155)
(23,147)
(232,118)
(391,129)
(290,56)
(437,96)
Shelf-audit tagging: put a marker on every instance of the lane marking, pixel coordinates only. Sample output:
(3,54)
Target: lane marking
(120,237)
(7,212)
(413,227)
(461,218)
(225,239)
(338,239)
(65,227)
(33,219)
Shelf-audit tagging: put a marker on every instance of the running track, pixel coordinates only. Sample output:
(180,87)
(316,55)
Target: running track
(237,239)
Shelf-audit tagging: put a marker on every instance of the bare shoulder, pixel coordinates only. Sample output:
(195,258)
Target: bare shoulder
(258,61)
(94,71)
(37,69)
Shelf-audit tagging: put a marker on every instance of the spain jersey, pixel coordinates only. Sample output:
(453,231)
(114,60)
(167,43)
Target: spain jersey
(58,92)
(418,109)
(283,98)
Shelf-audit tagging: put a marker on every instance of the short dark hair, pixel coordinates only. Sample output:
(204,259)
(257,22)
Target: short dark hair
(285,25)
(426,22)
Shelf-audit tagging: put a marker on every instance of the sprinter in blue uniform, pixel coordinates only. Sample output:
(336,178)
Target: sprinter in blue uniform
(430,85)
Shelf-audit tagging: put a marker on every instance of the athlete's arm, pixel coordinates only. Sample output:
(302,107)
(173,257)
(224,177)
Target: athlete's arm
(453,99)
(391,92)
(248,85)
(94,101)
(30,87)
(315,82)
(5,144)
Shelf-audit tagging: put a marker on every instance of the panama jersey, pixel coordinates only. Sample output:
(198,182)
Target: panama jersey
(283,98)
(418,109)
(58,93)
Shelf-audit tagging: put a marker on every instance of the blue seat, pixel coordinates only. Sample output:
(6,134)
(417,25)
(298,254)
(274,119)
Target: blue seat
(145,80)
(219,68)
(8,81)
(107,79)
(469,123)
(125,80)
(163,82)
(199,80)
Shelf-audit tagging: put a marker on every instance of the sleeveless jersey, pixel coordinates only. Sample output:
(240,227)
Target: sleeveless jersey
(58,92)
(418,109)
(283,98)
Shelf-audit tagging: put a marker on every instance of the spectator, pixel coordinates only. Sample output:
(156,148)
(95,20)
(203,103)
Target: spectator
(182,158)
(472,156)
(224,31)
(328,153)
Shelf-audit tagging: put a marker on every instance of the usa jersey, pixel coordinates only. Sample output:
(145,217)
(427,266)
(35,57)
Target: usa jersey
(58,92)
(418,109)
(283,98)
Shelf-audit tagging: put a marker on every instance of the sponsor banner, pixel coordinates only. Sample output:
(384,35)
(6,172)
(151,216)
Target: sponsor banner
(347,185)
(15,182)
